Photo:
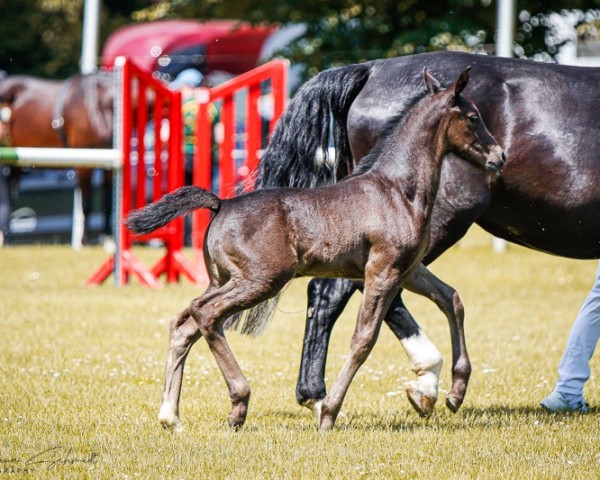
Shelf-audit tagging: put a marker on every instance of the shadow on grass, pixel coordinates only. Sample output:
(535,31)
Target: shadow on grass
(468,417)
(496,416)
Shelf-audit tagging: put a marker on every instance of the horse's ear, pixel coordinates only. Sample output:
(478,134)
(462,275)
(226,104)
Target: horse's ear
(432,84)
(461,82)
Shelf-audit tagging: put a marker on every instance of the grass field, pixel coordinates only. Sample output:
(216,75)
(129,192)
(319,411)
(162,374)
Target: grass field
(81,372)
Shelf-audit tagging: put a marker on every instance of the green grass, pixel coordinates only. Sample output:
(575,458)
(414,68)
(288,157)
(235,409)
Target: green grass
(81,372)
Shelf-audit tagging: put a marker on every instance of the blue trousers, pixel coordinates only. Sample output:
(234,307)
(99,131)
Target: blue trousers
(574,368)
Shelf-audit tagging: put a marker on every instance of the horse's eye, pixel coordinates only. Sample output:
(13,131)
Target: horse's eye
(473,118)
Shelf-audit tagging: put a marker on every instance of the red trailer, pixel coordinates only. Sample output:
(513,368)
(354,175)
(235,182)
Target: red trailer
(170,46)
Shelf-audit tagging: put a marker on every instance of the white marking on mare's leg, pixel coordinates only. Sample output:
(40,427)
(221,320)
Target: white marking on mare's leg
(168,418)
(426,361)
(315,406)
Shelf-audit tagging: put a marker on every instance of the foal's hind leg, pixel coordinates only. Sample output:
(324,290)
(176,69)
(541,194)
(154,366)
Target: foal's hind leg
(184,332)
(210,313)
(424,283)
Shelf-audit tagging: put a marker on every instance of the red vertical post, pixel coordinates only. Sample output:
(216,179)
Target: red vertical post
(226,162)
(202,169)
(253,126)
(127,128)
(279,92)
(159,173)
(141,120)
(175,174)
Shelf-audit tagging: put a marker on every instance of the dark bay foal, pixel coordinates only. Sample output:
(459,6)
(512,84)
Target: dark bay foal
(258,242)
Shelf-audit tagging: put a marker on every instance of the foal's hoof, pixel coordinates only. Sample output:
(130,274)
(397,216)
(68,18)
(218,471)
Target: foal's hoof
(453,403)
(327,422)
(235,419)
(423,404)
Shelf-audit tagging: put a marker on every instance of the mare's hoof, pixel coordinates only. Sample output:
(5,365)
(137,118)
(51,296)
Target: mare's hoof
(314,406)
(171,425)
(168,419)
(235,423)
(423,404)
(453,403)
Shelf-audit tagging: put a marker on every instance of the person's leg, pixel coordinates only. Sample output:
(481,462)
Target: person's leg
(574,369)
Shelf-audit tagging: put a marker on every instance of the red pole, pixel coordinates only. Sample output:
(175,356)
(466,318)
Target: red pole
(226,162)
(253,127)
(202,169)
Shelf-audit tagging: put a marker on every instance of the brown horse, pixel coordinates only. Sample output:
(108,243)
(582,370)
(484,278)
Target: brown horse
(74,113)
(258,242)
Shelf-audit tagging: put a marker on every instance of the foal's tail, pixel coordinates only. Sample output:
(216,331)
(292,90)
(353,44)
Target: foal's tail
(173,205)
(298,153)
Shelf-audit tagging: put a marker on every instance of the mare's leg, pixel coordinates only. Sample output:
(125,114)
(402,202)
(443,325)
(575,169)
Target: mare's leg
(424,283)
(84,176)
(183,334)
(381,285)
(327,298)
(107,191)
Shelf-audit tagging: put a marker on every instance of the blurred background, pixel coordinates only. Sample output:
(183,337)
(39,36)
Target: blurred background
(43,37)
(222,39)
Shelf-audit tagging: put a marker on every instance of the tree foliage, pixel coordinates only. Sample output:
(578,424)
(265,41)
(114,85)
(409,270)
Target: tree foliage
(344,31)
(43,37)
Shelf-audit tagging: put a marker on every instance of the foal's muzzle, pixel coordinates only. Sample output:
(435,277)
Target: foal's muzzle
(496,160)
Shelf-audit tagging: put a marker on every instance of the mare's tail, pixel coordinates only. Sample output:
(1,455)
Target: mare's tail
(297,155)
(173,205)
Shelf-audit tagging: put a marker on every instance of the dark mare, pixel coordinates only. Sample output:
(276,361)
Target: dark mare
(545,116)
(74,113)
(258,242)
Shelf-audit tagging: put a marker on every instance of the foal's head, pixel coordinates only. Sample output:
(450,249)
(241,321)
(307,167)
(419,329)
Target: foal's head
(466,134)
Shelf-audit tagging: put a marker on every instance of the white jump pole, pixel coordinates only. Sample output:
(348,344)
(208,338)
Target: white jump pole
(61,157)
(118,142)
(66,158)
(89,49)
(89,43)
(504,48)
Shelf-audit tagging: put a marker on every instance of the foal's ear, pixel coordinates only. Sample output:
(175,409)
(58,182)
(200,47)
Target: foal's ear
(432,84)
(461,82)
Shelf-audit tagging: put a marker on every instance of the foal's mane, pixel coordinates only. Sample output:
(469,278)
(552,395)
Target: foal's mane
(386,132)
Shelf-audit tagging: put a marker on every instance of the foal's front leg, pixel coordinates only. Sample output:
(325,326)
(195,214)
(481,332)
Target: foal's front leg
(183,334)
(379,291)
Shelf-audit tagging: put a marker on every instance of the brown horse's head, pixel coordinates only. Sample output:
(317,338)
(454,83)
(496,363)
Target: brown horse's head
(467,135)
